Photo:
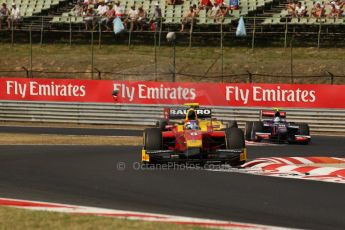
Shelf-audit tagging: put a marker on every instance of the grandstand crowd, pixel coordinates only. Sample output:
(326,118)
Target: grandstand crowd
(10,16)
(101,13)
(318,10)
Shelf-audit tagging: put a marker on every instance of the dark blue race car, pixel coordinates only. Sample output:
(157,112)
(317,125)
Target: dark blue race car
(273,126)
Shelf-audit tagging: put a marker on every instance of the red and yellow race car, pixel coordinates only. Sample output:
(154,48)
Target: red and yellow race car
(191,135)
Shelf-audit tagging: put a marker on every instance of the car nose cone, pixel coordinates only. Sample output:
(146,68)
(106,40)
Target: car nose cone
(193,138)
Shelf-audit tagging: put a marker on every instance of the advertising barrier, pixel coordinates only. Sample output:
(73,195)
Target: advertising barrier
(146,92)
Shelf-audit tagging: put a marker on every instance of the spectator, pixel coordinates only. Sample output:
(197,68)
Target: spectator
(233,4)
(119,10)
(205,4)
(157,14)
(188,19)
(132,17)
(4,14)
(174,2)
(291,8)
(222,13)
(196,10)
(87,2)
(14,17)
(341,4)
(78,9)
(318,11)
(300,10)
(219,2)
(102,8)
(156,17)
(95,3)
(101,12)
(90,18)
(141,18)
(214,11)
(110,17)
(336,10)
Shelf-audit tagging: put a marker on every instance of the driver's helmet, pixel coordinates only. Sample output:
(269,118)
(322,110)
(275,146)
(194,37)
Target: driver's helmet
(192,125)
(277,117)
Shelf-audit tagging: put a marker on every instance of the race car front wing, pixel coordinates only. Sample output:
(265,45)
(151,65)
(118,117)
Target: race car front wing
(194,155)
(296,138)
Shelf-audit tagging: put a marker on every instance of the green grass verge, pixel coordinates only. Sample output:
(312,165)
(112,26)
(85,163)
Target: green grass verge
(139,62)
(13,219)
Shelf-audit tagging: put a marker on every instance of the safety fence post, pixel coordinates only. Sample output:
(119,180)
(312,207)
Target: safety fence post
(191,32)
(70,32)
(41,39)
(331,76)
(30,32)
(100,35)
(155,52)
(92,55)
(130,35)
(250,76)
(222,50)
(318,36)
(160,32)
(253,37)
(99,74)
(291,60)
(12,33)
(286,31)
(26,70)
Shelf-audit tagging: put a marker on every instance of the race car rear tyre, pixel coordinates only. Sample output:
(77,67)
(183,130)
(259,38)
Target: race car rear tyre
(248,130)
(232,124)
(234,138)
(161,123)
(303,129)
(153,139)
(257,127)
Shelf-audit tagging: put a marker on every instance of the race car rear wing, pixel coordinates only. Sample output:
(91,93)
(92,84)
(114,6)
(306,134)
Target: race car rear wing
(265,114)
(180,113)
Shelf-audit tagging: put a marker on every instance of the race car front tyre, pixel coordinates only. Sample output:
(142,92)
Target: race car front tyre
(303,129)
(153,139)
(248,130)
(257,127)
(232,124)
(161,123)
(235,140)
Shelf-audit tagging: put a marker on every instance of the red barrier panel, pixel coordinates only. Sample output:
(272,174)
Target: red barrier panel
(145,92)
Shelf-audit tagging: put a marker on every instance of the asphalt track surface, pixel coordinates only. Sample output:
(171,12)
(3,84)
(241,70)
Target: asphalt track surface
(88,175)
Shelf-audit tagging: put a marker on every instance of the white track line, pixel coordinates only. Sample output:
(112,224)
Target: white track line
(84,210)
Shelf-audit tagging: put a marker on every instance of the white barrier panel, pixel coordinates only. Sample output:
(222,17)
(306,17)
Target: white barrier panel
(320,120)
